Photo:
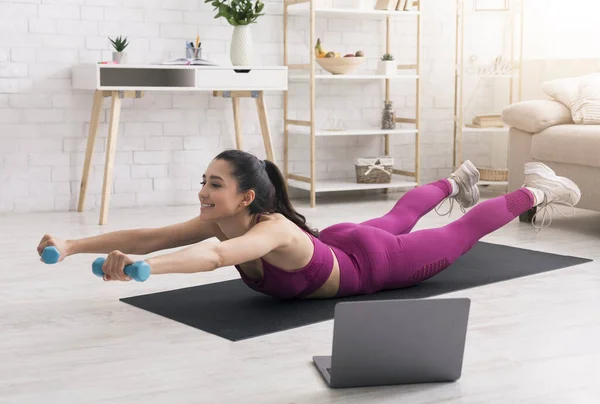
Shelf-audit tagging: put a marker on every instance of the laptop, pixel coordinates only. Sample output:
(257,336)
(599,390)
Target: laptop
(389,342)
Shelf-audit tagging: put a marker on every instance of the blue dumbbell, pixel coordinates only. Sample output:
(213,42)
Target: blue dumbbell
(50,255)
(138,271)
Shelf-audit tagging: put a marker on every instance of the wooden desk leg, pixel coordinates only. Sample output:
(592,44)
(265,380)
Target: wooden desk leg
(115,112)
(236,123)
(89,150)
(264,126)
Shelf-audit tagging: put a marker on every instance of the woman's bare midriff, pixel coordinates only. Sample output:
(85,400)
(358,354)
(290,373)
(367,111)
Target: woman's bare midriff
(331,285)
(253,269)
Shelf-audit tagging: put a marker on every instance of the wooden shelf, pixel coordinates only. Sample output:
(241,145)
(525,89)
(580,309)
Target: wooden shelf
(303,130)
(490,75)
(486,183)
(509,66)
(303,9)
(494,130)
(500,76)
(328,76)
(304,74)
(348,185)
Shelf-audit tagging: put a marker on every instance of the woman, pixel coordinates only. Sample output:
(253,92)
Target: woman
(244,204)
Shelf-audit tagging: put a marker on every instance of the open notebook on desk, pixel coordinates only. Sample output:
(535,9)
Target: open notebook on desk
(189,61)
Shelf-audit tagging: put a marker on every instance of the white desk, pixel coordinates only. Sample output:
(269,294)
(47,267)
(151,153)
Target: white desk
(132,81)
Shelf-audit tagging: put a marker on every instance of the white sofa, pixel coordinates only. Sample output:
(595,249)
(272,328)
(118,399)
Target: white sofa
(542,129)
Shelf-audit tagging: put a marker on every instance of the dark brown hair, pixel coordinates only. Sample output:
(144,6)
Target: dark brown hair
(265,178)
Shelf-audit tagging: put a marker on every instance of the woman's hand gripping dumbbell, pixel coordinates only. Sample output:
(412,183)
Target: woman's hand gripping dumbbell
(117,266)
(52,249)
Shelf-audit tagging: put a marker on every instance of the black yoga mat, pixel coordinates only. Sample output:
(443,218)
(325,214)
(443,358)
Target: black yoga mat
(233,311)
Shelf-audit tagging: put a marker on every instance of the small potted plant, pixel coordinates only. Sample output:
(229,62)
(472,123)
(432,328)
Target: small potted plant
(387,65)
(240,14)
(119,44)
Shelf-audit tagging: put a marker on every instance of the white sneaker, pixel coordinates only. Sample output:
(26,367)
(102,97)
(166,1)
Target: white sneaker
(534,168)
(466,177)
(557,190)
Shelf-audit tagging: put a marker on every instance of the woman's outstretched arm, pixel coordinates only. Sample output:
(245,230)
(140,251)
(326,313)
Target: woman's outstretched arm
(258,241)
(136,241)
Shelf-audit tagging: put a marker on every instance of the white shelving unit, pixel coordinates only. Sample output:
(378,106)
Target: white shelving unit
(480,130)
(306,73)
(303,8)
(347,185)
(304,77)
(357,132)
(513,10)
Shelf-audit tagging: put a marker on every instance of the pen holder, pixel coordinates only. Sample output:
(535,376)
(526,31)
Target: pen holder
(191,53)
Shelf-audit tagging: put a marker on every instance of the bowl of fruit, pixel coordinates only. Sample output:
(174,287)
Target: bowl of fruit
(335,63)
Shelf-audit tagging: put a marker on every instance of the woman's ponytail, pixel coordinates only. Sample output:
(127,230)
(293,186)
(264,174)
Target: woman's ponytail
(282,200)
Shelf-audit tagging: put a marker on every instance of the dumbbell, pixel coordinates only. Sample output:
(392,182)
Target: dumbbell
(138,271)
(50,255)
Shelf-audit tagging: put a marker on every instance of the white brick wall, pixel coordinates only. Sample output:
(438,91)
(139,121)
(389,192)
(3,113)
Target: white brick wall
(166,140)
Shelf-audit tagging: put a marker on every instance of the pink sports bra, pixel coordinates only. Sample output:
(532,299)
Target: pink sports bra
(299,283)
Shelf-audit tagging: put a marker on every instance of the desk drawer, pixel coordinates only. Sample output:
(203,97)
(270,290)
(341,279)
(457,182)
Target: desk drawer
(242,79)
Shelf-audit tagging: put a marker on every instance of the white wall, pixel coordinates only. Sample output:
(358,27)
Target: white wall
(166,140)
(562,30)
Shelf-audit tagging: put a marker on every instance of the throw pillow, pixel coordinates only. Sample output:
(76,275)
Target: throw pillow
(534,116)
(580,94)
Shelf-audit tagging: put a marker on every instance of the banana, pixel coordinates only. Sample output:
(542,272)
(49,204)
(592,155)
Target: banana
(319,52)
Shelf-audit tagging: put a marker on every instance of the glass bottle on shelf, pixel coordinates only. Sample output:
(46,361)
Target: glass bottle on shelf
(388,116)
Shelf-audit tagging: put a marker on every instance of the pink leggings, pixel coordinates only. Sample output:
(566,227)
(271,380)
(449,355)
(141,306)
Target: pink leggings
(382,253)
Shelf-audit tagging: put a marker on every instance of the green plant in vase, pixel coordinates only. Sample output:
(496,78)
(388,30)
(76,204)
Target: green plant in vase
(240,14)
(387,65)
(119,44)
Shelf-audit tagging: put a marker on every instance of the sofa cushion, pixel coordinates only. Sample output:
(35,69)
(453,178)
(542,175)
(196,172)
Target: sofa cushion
(536,115)
(580,94)
(571,144)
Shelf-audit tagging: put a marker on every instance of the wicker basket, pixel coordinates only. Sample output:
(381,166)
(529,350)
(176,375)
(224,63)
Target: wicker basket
(377,170)
(493,174)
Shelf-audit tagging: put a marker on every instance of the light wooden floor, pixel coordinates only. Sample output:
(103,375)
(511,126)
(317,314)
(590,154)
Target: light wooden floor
(66,338)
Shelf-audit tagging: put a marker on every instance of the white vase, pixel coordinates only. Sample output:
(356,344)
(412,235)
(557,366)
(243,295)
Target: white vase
(387,67)
(241,46)
(119,57)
